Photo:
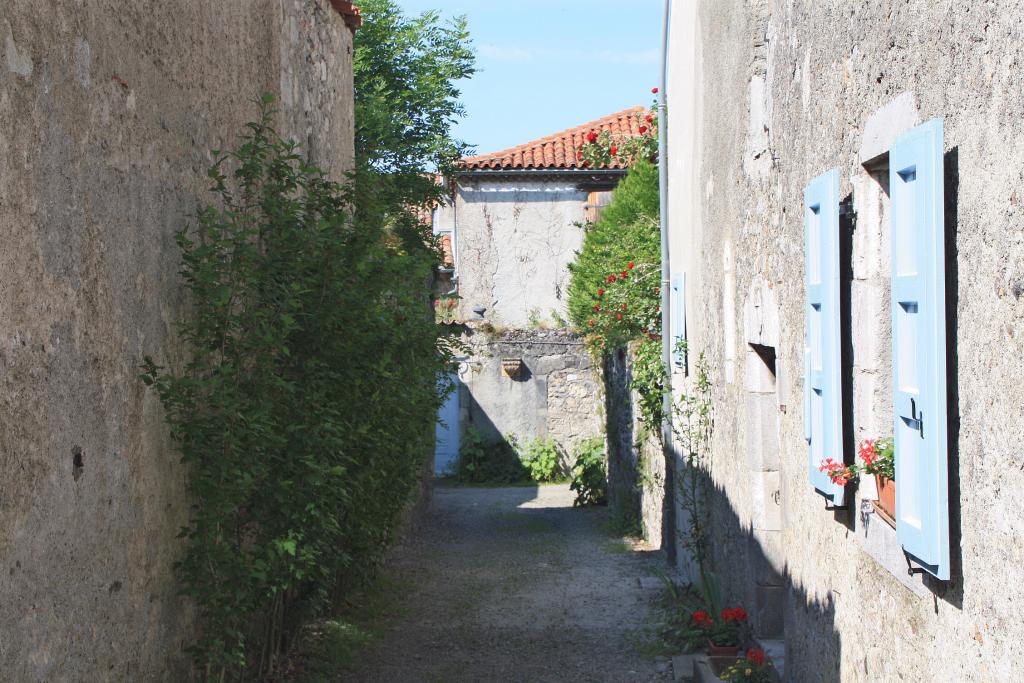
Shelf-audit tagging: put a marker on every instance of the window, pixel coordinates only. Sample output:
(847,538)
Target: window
(919,346)
(823,404)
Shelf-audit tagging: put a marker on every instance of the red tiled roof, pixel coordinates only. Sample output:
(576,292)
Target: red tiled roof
(353,17)
(558,151)
(446,249)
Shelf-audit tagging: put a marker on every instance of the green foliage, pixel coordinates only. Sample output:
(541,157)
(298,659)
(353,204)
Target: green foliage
(601,149)
(407,100)
(693,425)
(590,473)
(310,341)
(627,231)
(483,461)
(543,459)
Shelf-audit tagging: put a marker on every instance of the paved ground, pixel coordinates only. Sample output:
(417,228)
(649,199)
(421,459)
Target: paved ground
(516,585)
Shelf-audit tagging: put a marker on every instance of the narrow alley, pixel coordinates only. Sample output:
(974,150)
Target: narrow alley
(514,584)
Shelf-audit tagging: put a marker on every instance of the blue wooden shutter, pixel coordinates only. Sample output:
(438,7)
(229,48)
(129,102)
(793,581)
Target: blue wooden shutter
(678,319)
(919,346)
(823,403)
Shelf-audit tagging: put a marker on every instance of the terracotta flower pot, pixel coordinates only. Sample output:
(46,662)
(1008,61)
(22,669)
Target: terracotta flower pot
(722,650)
(886,495)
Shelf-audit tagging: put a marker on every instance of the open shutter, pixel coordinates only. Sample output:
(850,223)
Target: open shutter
(823,404)
(919,346)
(678,319)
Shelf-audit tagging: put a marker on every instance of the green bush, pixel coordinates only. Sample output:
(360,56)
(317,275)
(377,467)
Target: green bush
(628,230)
(484,461)
(306,409)
(543,459)
(589,473)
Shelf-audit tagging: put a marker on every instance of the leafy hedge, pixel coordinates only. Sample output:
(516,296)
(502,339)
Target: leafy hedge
(626,232)
(306,410)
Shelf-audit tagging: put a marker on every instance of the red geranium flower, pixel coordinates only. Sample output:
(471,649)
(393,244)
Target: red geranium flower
(702,618)
(643,129)
(649,119)
(611,278)
(597,308)
(591,137)
(619,316)
(600,292)
(755,655)
(630,266)
(451,301)
(614,150)
(654,90)
(579,155)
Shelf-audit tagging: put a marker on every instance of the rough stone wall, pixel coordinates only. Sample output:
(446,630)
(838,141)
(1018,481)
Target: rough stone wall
(764,96)
(107,112)
(557,395)
(515,240)
(636,461)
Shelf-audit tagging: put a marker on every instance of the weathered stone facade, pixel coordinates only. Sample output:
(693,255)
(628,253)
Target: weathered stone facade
(763,96)
(637,478)
(555,392)
(108,111)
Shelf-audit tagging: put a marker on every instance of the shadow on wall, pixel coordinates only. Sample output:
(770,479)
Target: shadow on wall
(749,570)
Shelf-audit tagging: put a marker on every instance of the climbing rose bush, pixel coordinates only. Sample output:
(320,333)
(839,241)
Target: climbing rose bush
(604,148)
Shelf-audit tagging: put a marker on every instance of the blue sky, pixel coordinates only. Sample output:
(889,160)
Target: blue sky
(544,66)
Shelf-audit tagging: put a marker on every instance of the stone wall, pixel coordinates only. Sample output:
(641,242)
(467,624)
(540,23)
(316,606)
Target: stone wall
(764,96)
(108,111)
(636,461)
(557,393)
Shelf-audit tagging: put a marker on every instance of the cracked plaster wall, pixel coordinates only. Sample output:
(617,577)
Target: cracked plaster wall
(515,240)
(763,96)
(107,112)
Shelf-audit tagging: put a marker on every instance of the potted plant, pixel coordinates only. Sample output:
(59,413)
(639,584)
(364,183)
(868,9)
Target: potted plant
(879,458)
(723,633)
(756,667)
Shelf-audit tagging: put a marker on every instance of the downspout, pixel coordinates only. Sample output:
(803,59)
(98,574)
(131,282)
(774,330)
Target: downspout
(668,509)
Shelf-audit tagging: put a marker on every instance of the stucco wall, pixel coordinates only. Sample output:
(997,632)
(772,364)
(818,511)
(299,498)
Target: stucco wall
(764,96)
(557,395)
(515,239)
(107,112)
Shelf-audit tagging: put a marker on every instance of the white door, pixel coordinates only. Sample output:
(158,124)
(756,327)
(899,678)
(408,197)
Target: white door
(446,450)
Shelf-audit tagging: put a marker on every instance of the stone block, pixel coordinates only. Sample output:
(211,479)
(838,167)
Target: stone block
(766,497)
(761,433)
(768,618)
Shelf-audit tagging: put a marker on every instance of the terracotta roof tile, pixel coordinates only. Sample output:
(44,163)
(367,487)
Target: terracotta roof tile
(557,151)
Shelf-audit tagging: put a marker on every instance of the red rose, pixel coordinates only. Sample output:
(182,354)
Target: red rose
(611,278)
(630,266)
(625,274)
(654,91)
(591,136)
(755,655)
(614,150)
(600,292)
(643,129)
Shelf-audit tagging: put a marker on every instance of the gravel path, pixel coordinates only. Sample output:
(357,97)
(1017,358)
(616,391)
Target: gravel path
(515,584)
